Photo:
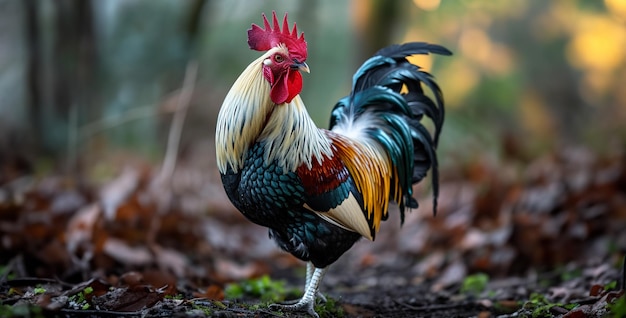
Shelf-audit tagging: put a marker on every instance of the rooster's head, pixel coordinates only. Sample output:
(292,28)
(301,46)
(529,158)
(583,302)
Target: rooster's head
(285,59)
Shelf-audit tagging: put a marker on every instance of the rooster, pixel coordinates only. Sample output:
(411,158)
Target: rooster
(319,191)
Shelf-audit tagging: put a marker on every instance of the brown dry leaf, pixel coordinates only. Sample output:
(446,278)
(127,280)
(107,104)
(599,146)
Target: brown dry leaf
(67,202)
(453,274)
(473,239)
(99,287)
(432,265)
(583,311)
(114,193)
(126,254)
(171,260)
(561,294)
(239,239)
(45,301)
(80,228)
(132,279)
(596,290)
(232,271)
(484,314)
(368,259)
(128,299)
(38,230)
(55,255)
(164,281)
(213,292)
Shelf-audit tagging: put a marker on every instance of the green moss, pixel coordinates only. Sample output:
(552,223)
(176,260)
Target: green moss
(567,275)
(78,300)
(540,306)
(618,307)
(22,310)
(329,309)
(39,290)
(219,304)
(5,271)
(264,288)
(207,310)
(271,292)
(611,286)
(475,284)
(175,297)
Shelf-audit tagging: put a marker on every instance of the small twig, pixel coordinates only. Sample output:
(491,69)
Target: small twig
(92,128)
(171,153)
(437,306)
(182,105)
(17,266)
(78,287)
(585,301)
(558,310)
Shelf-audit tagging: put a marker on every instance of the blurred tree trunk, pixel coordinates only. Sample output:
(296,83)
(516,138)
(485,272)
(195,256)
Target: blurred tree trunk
(60,77)
(33,68)
(190,30)
(74,51)
(193,22)
(376,22)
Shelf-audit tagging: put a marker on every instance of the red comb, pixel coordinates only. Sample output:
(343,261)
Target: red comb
(264,39)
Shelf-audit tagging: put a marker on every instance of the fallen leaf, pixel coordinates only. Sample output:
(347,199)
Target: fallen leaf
(161,280)
(125,254)
(171,260)
(132,279)
(127,299)
(80,228)
(114,193)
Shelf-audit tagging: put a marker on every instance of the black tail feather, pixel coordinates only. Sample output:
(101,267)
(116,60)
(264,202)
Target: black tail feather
(400,51)
(410,145)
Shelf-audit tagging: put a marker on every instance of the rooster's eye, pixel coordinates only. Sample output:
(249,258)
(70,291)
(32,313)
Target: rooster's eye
(278,58)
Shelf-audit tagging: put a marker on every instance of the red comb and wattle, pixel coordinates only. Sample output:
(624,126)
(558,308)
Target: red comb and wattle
(260,39)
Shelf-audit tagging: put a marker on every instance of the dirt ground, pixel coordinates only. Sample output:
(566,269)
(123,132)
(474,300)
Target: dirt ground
(540,239)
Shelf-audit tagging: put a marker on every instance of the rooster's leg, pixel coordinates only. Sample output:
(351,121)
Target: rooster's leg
(307,302)
(309,273)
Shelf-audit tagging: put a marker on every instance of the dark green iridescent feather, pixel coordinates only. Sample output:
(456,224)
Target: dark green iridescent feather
(388,85)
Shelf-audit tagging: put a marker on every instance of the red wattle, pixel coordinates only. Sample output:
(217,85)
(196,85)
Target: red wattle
(295,85)
(286,87)
(279,93)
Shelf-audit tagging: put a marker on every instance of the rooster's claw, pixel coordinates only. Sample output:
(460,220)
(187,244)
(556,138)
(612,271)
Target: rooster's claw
(299,306)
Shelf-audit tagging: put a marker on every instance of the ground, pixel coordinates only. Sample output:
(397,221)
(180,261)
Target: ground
(543,240)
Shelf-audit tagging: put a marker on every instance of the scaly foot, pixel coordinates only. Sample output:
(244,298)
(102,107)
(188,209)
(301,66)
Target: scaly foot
(307,302)
(301,306)
(319,296)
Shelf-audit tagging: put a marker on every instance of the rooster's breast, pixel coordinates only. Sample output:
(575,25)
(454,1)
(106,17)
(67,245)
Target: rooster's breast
(262,190)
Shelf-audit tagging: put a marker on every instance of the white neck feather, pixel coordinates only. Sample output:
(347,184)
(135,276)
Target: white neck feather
(248,116)
(292,138)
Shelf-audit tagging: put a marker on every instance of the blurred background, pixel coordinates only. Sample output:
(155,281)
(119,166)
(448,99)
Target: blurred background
(95,177)
(82,82)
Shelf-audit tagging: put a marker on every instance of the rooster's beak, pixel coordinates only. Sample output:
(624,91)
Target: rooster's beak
(302,66)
